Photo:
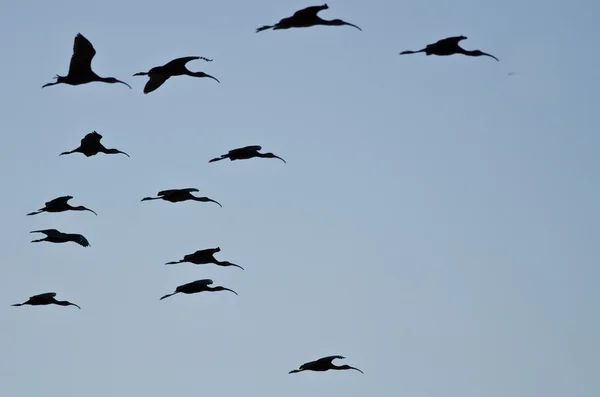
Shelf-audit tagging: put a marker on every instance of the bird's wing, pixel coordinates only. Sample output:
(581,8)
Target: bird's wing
(91,138)
(171,191)
(46,295)
(48,232)
(308,12)
(203,282)
(330,358)
(58,200)
(155,81)
(254,148)
(179,62)
(454,40)
(79,239)
(83,52)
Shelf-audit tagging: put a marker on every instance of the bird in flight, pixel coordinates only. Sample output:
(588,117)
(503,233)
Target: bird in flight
(323,364)
(204,256)
(80,68)
(305,18)
(90,146)
(449,46)
(47,298)
(159,74)
(196,287)
(60,204)
(245,153)
(54,236)
(178,195)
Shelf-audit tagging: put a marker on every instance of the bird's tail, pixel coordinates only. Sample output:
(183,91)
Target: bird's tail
(264,28)
(63,153)
(166,296)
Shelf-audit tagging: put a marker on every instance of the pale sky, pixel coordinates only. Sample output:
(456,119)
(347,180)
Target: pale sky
(435,223)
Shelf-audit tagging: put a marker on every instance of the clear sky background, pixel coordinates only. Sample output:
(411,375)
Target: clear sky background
(435,223)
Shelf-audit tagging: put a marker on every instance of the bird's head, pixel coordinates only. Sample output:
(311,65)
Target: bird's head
(339,22)
(272,156)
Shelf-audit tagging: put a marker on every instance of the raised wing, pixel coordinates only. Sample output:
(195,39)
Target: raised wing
(330,358)
(207,251)
(179,63)
(58,200)
(155,81)
(309,12)
(254,148)
(454,40)
(83,52)
(47,295)
(92,138)
(203,282)
(171,191)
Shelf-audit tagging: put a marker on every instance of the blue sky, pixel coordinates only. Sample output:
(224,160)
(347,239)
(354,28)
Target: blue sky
(435,222)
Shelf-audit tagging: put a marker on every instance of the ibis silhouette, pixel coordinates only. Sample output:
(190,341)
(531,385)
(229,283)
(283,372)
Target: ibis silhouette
(202,257)
(245,153)
(80,68)
(60,204)
(178,195)
(47,298)
(159,74)
(54,236)
(305,18)
(449,46)
(90,146)
(323,364)
(197,286)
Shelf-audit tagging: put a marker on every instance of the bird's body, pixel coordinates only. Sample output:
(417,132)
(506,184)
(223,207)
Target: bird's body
(197,286)
(205,256)
(54,236)
(47,298)
(80,68)
(159,74)
(178,195)
(305,18)
(449,46)
(245,153)
(323,364)
(60,204)
(90,146)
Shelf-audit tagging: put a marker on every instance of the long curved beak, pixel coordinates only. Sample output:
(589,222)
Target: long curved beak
(77,306)
(122,82)
(490,55)
(211,77)
(87,209)
(351,24)
(357,369)
(227,289)
(118,151)
(214,201)
(277,157)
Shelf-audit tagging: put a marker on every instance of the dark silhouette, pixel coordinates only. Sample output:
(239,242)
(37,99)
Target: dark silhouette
(54,236)
(159,74)
(323,364)
(197,286)
(449,46)
(90,146)
(204,256)
(45,299)
(60,204)
(80,68)
(177,195)
(246,153)
(305,18)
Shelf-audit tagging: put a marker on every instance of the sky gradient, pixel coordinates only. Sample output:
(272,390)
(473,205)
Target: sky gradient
(435,223)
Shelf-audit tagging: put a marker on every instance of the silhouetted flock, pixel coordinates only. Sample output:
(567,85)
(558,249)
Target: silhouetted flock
(80,72)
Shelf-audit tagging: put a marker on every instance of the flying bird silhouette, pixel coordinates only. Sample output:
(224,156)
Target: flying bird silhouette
(449,46)
(202,257)
(54,236)
(305,18)
(159,74)
(45,299)
(323,364)
(196,287)
(177,195)
(90,146)
(80,68)
(246,153)
(60,204)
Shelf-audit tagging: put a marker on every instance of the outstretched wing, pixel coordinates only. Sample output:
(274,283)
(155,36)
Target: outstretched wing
(204,282)
(47,295)
(48,232)
(155,81)
(92,138)
(454,40)
(171,191)
(254,148)
(309,12)
(179,63)
(330,358)
(79,239)
(83,52)
(59,200)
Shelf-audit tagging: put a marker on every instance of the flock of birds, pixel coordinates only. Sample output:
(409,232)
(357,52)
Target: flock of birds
(80,72)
